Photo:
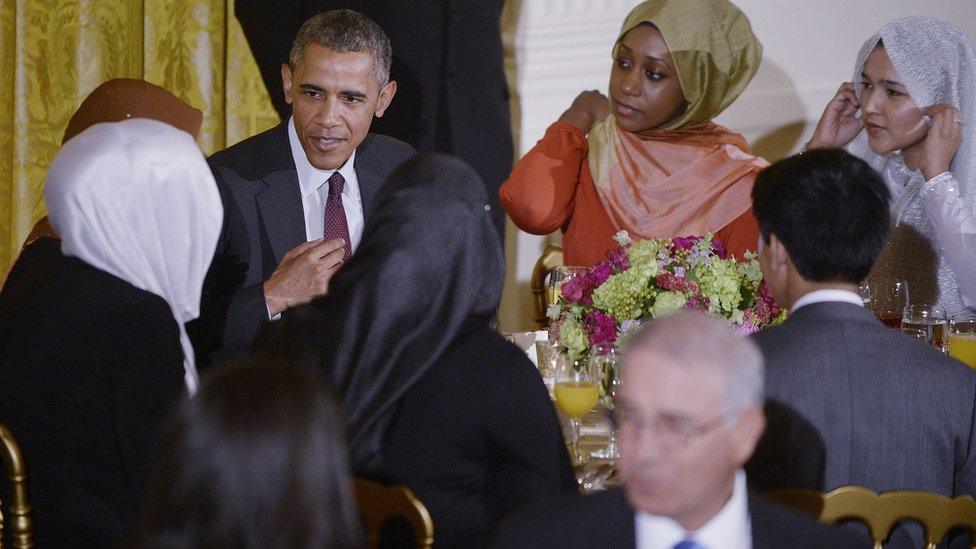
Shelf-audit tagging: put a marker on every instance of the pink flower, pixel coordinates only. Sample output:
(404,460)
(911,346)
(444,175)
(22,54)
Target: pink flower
(618,259)
(766,297)
(601,273)
(601,328)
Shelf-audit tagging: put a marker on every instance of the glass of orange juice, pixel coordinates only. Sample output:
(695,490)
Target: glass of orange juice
(962,340)
(577,391)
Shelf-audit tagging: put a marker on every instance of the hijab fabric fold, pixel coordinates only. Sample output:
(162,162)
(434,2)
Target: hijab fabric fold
(689,176)
(430,264)
(137,200)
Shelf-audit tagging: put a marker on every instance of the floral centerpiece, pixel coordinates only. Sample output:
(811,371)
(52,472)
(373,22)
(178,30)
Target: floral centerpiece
(655,277)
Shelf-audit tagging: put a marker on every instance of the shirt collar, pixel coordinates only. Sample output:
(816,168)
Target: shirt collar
(311,178)
(819,296)
(730,527)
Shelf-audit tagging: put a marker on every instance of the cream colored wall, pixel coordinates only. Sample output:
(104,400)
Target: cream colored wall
(559,47)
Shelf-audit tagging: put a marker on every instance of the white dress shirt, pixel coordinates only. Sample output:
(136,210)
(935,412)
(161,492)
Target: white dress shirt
(311,178)
(731,528)
(819,296)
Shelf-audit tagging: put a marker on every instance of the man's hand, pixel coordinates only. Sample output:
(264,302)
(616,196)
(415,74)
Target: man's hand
(587,109)
(303,274)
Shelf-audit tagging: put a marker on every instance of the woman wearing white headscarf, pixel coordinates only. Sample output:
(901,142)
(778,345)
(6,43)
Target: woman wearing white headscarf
(93,351)
(911,116)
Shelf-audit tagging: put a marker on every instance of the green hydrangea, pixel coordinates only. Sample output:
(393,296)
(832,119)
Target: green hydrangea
(751,271)
(668,302)
(572,337)
(626,295)
(644,253)
(720,283)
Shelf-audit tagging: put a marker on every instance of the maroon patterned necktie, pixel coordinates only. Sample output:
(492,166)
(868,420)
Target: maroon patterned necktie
(335,215)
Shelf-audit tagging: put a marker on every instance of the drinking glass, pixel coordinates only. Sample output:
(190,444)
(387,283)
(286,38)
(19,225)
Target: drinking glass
(547,357)
(929,320)
(888,298)
(559,276)
(962,340)
(605,361)
(577,391)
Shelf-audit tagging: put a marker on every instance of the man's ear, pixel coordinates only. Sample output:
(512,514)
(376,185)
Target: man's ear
(779,259)
(749,428)
(386,96)
(286,81)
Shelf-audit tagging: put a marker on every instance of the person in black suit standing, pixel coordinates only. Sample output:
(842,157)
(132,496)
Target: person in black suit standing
(447,59)
(688,418)
(296,197)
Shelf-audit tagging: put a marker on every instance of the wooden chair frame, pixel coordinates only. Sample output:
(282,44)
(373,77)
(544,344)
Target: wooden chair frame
(21,525)
(378,504)
(551,258)
(881,512)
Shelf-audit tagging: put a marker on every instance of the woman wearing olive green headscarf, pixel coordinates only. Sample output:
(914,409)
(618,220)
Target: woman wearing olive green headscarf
(652,163)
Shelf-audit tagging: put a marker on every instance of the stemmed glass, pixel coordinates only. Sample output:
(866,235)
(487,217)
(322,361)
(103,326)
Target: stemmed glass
(605,362)
(886,298)
(962,339)
(929,320)
(577,392)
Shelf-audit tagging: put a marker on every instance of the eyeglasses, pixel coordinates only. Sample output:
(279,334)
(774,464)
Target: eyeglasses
(668,431)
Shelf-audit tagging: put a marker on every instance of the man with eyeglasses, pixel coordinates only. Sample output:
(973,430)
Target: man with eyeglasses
(688,417)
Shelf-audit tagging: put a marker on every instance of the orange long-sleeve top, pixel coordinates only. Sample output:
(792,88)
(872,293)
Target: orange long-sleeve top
(551,188)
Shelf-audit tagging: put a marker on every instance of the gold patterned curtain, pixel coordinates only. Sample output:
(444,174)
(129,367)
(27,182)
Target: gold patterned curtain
(54,52)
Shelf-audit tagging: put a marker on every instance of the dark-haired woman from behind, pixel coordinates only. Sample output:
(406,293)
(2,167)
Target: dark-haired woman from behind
(434,398)
(256,460)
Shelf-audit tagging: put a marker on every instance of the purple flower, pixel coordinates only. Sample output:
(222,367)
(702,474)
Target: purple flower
(685,242)
(618,259)
(719,248)
(574,289)
(601,328)
(600,273)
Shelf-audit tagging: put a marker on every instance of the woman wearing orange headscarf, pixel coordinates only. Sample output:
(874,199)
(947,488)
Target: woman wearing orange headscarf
(649,160)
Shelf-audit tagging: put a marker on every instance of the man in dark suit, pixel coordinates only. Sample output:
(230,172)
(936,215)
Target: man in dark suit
(447,58)
(850,401)
(689,415)
(296,197)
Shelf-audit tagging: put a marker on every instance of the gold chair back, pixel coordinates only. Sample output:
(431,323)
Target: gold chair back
(551,258)
(379,504)
(21,526)
(880,512)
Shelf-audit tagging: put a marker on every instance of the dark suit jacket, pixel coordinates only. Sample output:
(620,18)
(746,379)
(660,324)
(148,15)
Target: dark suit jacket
(448,63)
(263,219)
(605,519)
(90,366)
(850,401)
(477,437)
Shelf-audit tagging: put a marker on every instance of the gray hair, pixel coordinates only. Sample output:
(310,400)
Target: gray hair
(345,31)
(699,342)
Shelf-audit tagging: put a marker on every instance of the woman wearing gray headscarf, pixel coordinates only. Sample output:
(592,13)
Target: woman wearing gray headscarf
(910,116)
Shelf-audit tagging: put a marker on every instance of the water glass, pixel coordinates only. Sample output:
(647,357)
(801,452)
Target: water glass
(928,320)
(547,356)
(605,361)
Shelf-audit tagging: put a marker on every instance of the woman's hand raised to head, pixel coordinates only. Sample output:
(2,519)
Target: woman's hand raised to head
(838,124)
(587,109)
(942,141)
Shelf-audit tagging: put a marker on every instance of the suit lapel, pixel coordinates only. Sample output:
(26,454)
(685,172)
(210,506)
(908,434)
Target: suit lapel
(282,215)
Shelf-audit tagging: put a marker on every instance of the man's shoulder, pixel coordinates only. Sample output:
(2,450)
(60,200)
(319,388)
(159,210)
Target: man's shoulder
(255,156)
(382,152)
(599,520)
(774,525)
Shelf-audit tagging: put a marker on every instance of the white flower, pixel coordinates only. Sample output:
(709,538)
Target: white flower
(553,311)
(623,238)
